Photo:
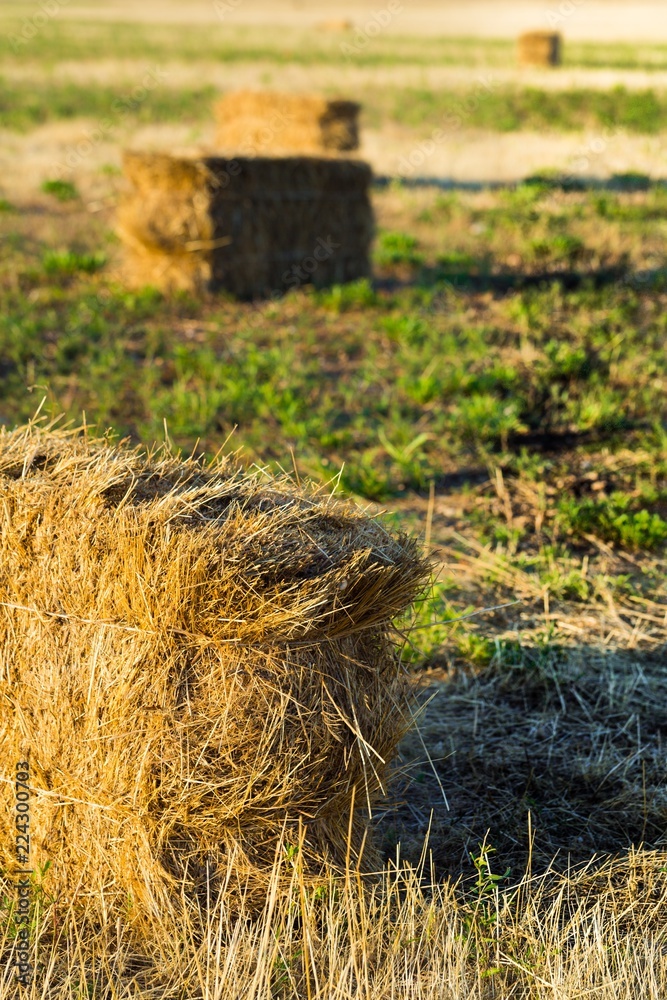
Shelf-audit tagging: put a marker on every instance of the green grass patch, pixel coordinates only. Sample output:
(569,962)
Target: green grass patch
(398,248)
(24,105)
(619,519)
(68,262)
(62,190)
(512,109)
(354,379)
(385,387)
(59,40)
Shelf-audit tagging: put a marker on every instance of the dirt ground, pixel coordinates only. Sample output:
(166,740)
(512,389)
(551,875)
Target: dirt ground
(291,76)
(465,156)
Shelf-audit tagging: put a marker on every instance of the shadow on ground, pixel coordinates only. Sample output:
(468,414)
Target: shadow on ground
(572,737)
(630,181)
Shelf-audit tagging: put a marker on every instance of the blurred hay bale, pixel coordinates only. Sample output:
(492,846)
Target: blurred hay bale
(540,48)
(336,24)
(251,226)
(197,664)
(259,124)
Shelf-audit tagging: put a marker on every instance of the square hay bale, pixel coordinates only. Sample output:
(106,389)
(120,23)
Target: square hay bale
(336,24)
(251,226)
(270,124)
(196,664)
(540,48)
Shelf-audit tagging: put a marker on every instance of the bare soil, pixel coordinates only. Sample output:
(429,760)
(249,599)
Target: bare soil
(464,157)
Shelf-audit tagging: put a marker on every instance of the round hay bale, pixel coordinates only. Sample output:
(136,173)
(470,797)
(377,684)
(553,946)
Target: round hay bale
(197,665)
(540,48)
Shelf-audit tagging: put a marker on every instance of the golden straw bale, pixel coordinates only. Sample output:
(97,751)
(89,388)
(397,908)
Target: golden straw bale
(540,48)
(336,24)
(251,226)
(257,124)
(197,664)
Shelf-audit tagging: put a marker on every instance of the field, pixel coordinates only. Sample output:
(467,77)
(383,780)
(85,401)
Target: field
(499,388)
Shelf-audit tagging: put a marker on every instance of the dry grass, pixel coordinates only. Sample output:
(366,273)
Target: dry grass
(568,735)
(611,616)
(598,931)
(551,752)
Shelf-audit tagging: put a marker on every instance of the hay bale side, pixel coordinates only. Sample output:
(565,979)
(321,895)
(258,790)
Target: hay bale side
(197,665)
(251,226)
(165,222)
(261,124)
(540,48)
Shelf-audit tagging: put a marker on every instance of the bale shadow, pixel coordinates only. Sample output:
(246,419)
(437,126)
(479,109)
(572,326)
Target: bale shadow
(550,754)
(480,276)
(621,182)
(478,273)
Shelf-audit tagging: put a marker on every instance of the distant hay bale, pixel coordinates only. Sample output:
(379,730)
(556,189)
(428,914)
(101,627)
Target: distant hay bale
(260,124)
(197,665)
(540,48)
(251,226)
(336,24)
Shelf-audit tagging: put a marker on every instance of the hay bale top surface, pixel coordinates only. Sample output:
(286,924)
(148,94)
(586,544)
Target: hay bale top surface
(223,553)
(286,177)
(540,36)
(259,123)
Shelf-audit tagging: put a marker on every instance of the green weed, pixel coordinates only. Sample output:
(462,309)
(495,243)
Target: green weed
(562,248)
(68,262)
(615,520)
(487,419)
(510,109)
(353,295)
(61,190)
(398,248)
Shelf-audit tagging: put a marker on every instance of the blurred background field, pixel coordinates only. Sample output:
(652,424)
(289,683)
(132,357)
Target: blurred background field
(499,387)
(410,75)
